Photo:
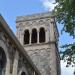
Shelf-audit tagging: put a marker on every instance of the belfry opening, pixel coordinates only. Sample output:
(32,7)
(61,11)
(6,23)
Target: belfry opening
(34,36)
(42,35)
(26,37)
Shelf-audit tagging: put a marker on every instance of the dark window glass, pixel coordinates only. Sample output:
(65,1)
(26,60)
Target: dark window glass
(26,37)
(34,36)
(42,35)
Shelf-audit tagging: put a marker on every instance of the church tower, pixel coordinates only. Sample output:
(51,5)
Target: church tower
(39,36)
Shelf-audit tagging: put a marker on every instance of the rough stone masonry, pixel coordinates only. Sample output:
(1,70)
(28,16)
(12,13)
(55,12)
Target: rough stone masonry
(38,35)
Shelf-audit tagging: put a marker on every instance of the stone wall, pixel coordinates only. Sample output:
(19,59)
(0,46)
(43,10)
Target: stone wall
(14,60)
(44,55)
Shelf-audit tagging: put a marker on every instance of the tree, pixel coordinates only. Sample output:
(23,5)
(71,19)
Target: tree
(65,14)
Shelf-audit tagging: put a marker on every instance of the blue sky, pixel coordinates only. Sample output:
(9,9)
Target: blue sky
(10,9)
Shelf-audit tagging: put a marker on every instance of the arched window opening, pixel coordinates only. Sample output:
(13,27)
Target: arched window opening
(23,73)
(34,36)
(2,60)
(42,35)
(26,37)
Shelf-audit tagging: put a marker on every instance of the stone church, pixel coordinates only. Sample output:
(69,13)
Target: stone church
(34,49)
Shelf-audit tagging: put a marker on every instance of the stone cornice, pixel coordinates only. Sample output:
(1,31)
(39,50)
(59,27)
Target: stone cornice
(34,17)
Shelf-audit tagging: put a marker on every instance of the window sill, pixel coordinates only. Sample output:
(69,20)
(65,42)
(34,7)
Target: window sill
(35,44)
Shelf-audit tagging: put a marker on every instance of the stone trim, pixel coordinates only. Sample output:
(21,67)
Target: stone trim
(15,64)
(17,44)
(34,17)
(23,69)
(2,45)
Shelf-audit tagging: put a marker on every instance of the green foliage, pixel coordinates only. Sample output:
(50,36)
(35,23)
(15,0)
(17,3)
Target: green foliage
(69,53)
(65,14)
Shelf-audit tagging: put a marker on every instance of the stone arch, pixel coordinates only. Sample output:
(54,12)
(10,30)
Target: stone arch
(2,60)
(26,36)
(3,46)
(42,35)
(23,71)
(34,36)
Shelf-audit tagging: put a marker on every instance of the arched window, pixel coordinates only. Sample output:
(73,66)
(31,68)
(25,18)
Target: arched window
(2,60)
(26,37)
(42,35)
(34,36)
(23,73)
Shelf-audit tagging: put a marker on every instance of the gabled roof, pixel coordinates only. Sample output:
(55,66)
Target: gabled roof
(11,35)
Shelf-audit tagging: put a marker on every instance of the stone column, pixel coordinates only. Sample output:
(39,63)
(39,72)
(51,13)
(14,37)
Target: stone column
(7,67)
(30,37)
(34,73)
(46,36)
(22,38)
(15,65)
(52,38)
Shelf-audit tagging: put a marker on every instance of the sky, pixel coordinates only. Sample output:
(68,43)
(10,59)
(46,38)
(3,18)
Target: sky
(10,9)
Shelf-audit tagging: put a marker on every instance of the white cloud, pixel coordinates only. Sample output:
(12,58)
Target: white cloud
(66,71)
(48,4)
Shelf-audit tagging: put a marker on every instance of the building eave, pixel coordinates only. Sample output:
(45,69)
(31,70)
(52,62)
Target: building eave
(19,47)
